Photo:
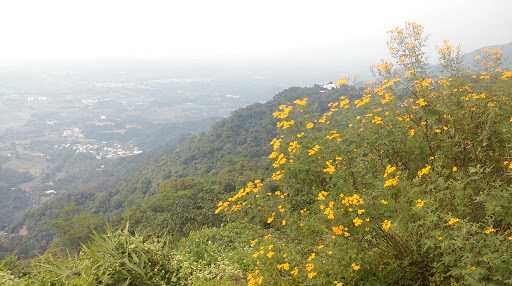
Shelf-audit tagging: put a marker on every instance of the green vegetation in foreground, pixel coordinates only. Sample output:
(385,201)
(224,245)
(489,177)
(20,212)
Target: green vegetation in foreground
(404,182)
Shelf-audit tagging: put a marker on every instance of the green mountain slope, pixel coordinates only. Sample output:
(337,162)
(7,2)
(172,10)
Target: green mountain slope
(234,151)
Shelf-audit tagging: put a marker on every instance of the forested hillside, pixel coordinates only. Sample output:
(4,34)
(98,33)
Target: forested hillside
(405,181)
(220,160)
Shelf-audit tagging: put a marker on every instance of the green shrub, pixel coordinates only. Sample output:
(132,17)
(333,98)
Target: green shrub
(406,183)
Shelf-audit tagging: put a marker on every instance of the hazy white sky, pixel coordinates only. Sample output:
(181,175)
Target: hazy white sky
(341,31)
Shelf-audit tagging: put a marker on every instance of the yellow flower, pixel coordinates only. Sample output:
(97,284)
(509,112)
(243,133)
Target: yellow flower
(293,147)
(453,220)
(337,283)
(384,202)
(389,170)
(357,221)
(270,254)
(270,219)
(341,82)
(295,271)
(490,230)
(312,274)
(309,125)
(330,168)
(283,222)
(313,150)
(277,175)
(311,256)
(411,131)
(386,225)
(421,102)
(420,203)
(310,266)
(454,169)
(284,266)
(301,102)
(424,171)
(355,266)
(391,182)
(338,229)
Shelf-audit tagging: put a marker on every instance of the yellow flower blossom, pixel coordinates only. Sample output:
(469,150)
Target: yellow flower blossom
(301,102)
(341,82)
(293,147)
(284,113)
(389,170)
(420,203)
(277,175)
(421,102)
(321,195)
(490,230)
(424,171)
(453,220)
(330,168)
(391,182)
(355,266)
(270,219)
(386,225)
(338,229)
(313,150)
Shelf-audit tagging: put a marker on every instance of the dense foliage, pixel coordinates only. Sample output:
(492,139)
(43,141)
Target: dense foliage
(408,185)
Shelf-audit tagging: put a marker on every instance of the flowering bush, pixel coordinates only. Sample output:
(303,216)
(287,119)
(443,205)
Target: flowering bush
(405,183)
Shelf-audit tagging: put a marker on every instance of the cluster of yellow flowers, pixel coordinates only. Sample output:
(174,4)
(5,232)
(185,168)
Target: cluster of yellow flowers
(362,118)
(424,171)
(285,111)
(453,220)
(251,188)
